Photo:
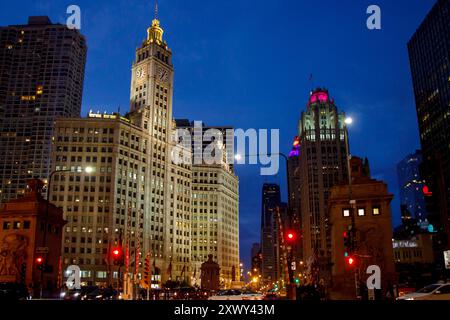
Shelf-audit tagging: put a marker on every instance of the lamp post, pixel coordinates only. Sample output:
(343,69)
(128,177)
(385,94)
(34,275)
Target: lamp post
(352,202)
(348,121)
(88,170)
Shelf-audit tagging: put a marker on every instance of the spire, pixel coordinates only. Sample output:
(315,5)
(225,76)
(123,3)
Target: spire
(155,32)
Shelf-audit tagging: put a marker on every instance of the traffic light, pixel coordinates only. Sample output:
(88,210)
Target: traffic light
(297,281)
(351,261)
(117,255)
(40,263)
(290,236)
(348,241)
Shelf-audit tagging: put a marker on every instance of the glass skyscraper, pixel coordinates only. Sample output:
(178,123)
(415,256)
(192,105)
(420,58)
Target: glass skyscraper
(429,58)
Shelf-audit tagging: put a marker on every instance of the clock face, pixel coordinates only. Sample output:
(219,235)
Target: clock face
(163,75)
(140,73)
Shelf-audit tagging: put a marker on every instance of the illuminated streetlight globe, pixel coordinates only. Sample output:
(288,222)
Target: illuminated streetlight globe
(348,120)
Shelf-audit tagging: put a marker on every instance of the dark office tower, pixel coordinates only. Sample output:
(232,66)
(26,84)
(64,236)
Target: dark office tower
(411,186)
(429,58)
(41,78)
(322,165)
(271,201)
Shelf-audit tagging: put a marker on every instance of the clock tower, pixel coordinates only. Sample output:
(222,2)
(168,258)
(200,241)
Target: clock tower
(152,84)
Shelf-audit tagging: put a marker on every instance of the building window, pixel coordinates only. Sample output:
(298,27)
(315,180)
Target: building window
(6,225)
(361,212)
(376,211)
(346,212)
(16,225)
(26,224)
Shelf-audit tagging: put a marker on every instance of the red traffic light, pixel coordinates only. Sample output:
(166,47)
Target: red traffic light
(290,236)
(426,191)
(350,261)
(116,252)
(39,260)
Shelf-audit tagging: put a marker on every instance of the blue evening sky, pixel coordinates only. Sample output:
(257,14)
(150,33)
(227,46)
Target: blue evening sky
(247,63)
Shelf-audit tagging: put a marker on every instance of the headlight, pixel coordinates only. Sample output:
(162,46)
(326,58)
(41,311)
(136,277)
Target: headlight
(62,295)
(76,294)
(409,298)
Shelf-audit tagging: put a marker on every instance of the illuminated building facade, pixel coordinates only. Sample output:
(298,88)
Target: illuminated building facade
(322,164)
(136,197)
(215,207)
(429,61)
(41,78)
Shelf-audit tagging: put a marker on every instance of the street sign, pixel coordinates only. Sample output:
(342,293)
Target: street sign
(42,250)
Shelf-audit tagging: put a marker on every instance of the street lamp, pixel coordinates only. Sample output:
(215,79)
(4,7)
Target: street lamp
(88,170)
(348,121)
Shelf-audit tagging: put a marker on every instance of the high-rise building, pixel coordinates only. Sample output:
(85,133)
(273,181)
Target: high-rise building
(271,202)
(41,78)
(429,60)
(136,198)
(215,204)
(129,200)
(411,188)
(322,164)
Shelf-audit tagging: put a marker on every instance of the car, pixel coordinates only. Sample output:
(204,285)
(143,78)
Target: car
(101,294)
(271,295)
(251,295)
(77,294)
(234,294)
(437,291)
(13,291)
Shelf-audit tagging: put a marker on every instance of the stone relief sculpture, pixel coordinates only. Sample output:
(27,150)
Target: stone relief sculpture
(13,248)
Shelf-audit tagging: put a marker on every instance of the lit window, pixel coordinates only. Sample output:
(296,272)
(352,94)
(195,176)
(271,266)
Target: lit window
(346,213)
(361,212)
(376,211)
